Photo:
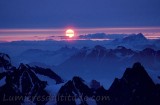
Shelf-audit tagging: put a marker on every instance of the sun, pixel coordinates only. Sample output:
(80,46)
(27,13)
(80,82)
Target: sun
(70,33)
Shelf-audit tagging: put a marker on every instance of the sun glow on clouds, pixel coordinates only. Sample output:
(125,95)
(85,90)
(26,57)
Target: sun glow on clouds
(60,34)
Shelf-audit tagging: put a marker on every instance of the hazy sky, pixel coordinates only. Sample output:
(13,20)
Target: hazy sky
(79,13)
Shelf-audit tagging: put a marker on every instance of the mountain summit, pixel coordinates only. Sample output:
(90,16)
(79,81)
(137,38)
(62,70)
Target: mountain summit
(135,38)
(134,88)
(24,82)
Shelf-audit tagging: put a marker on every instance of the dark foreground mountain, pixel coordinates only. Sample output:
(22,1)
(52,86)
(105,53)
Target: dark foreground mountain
(76,92)
(134,88)
(23,83)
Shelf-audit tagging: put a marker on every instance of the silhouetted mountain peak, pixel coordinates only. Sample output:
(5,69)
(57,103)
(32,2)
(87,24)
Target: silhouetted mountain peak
(134,88)
(84,49)
(75,88)
(149,51)
(47,72)
(5,61)
(134,77)
(99,47)
(137,74)
(140,35)
(95,85)
(137,66)
(22,67)
(123,51)
(115,84)
(139,38)
(77,79)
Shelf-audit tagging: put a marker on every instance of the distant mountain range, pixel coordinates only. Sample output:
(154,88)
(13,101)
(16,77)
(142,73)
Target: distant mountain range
(30,73)
(125,37)
(90,61)
(135,38)
(39,54)
(99,62)
(45,56)
(135,42)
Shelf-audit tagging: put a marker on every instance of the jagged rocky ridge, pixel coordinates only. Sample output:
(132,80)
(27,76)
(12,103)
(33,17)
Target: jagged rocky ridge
(76,89)
(134,88)
(119,54)
(23,82)
(102,63)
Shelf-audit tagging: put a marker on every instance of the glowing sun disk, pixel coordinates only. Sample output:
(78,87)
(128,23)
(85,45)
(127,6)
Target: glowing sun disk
(70,33)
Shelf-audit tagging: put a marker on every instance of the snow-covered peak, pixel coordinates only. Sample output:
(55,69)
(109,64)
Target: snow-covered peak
(78,89)
(26,81)
(5,62)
